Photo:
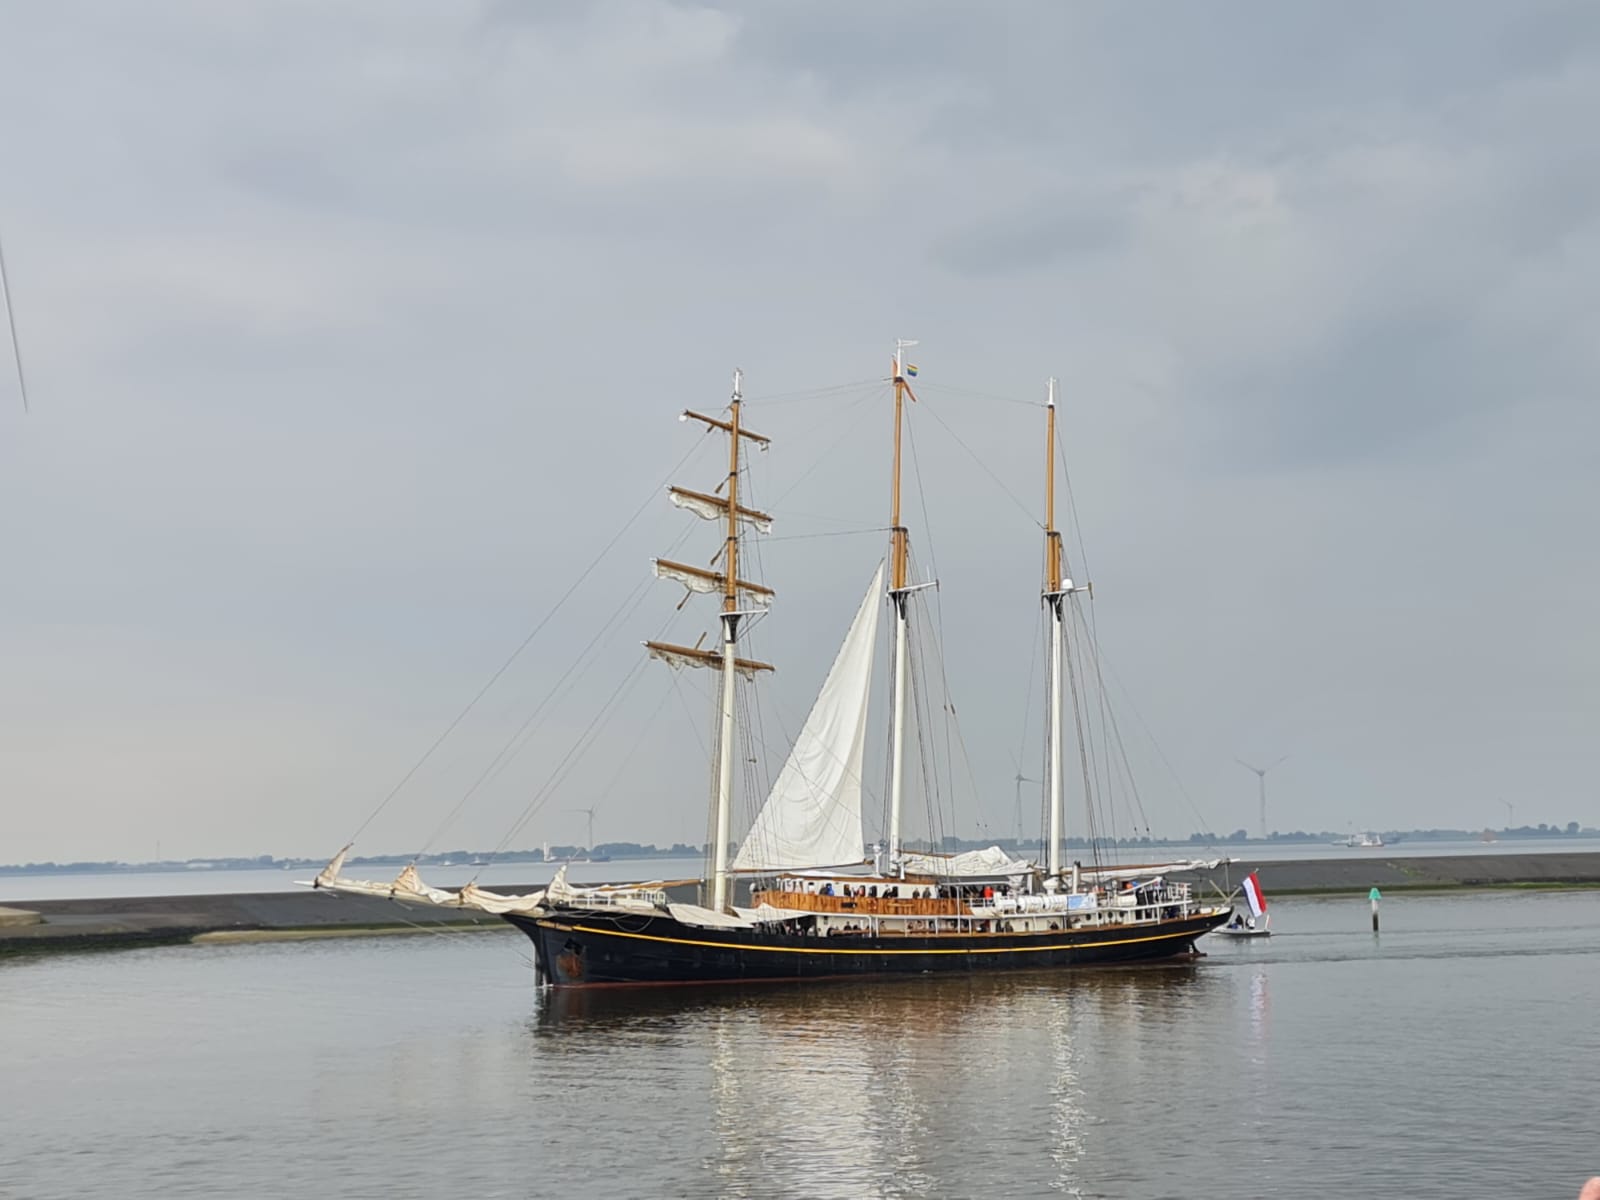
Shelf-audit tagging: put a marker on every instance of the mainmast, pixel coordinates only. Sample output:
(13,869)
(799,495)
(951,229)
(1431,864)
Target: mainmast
(899,594)
(1053,598)
(731,587)
(1057,587)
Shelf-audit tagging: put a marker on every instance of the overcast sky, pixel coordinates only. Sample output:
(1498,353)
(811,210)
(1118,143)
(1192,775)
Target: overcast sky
(354,330)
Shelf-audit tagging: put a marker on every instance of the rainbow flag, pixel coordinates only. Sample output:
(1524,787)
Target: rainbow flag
(910,370)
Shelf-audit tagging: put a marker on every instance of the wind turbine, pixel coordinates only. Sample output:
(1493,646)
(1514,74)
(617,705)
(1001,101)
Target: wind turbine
(589,845)
(1020,780)
(1511,813)
(1261,776)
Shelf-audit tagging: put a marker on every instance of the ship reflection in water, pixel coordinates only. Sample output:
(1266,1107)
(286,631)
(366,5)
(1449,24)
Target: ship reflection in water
(832,1088)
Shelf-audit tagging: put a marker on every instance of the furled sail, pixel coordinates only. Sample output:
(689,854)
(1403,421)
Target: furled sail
(473,896)
(992,862)
(715,508)
(709,582)
(813,815)
(408,886)
(692,656)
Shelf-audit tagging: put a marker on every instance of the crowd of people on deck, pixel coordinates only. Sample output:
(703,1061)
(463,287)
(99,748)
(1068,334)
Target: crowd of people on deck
(893,891)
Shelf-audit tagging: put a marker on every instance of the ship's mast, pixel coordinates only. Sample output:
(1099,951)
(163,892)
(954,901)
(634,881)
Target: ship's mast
(730,634)
(899,593)
(728,584)
(1053,597)
(1057,587)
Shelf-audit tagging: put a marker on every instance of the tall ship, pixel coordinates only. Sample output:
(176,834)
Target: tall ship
(804,896)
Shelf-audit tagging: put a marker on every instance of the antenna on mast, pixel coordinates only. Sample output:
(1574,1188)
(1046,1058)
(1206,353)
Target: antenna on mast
(1261,777)
(11,321)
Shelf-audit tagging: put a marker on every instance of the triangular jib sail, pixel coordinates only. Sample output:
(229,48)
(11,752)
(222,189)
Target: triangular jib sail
(813,815)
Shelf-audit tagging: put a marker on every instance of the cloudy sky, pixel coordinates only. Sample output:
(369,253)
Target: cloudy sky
(353,332)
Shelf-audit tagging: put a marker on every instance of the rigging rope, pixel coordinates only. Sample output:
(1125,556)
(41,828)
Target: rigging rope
(848,432)
(984,466)
(517,653)
(518,741)
(816,393)
(799,537)
(580,748)
(936,388)
(573,755)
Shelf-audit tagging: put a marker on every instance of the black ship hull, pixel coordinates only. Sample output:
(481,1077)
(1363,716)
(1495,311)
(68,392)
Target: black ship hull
(586,948)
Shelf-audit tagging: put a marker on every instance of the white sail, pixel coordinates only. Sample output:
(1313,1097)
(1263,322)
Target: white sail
(813,815)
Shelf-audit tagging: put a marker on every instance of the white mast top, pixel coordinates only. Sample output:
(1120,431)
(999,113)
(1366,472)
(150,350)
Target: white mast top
(901,345)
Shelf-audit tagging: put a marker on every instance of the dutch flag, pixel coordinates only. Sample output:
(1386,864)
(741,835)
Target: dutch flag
(1253,894)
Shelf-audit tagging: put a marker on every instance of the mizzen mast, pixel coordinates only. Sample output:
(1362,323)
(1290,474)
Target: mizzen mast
(732,588)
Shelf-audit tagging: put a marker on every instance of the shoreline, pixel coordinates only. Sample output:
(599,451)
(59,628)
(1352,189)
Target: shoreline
(68,926)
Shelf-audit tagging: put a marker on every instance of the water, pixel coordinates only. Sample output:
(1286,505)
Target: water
(1452,1057)
(54,886)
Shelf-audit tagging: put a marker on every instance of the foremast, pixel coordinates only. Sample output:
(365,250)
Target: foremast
(732,589)
(1057,587)
(730,635)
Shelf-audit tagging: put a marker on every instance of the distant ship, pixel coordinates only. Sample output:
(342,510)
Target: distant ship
(1361,841)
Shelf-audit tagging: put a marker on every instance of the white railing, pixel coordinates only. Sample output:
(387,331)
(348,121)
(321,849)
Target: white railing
(1150,903)
(612,897)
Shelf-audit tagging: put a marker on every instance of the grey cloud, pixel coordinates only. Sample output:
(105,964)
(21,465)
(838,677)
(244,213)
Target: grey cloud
(1062,227)
(351,330)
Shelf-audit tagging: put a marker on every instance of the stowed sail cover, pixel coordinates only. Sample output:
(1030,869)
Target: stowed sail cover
(813,816)
(992,862)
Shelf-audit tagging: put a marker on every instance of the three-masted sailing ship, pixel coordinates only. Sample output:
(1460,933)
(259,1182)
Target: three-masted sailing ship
(802,898)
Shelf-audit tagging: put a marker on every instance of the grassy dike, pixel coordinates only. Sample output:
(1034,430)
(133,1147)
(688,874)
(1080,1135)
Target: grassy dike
(1394,872)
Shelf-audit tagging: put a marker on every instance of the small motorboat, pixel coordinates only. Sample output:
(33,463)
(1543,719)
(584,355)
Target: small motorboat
(1243,927)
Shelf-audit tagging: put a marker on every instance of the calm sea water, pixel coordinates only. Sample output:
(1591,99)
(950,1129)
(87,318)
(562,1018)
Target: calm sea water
(54,886)
(1455,1056)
